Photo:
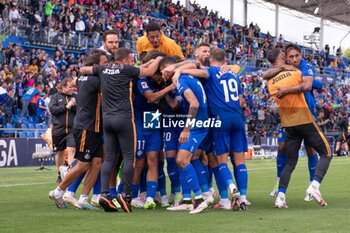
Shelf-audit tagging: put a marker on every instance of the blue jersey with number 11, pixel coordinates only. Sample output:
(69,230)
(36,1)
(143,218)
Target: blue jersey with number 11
(223,90)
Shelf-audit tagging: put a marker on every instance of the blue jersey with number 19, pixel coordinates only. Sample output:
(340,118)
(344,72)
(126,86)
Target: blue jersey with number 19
(223,90)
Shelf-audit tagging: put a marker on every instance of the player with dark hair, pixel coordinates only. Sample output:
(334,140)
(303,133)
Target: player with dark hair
(294,58)
(299,124)
(87,134)
(110,43)
(154,38)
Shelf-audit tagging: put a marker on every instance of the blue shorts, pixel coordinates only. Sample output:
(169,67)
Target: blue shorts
(195,138)
(171,138)
(231,138)
(281,135)
(207,144)
(147,142)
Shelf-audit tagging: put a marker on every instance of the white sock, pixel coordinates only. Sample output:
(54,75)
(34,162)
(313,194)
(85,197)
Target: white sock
(315,184)
(58,192)
(243,198)
(224,200)
(212,190)
(70,193)
(83,198)
(206,194)
(95,196)
(233,188)
(282,195)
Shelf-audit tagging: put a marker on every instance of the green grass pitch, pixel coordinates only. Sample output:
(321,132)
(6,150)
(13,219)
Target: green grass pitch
(25,206)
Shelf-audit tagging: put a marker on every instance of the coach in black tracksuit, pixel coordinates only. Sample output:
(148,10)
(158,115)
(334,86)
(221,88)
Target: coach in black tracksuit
(118,119)
(63,109)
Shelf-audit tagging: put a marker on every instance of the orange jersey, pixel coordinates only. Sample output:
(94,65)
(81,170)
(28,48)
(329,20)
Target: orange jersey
(293,108)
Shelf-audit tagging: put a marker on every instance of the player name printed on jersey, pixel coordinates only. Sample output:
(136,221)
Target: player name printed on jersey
(111,71)
(280,77)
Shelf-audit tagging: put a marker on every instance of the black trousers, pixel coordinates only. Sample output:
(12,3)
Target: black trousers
(119,138)
(314,136)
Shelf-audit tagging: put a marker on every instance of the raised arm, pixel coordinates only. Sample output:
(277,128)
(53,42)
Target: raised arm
(272,72)
(199,73)
(151,69)
(305,86)
(154,97)
(86,70)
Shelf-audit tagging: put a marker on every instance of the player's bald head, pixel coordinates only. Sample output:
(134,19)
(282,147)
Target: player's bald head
(218,55)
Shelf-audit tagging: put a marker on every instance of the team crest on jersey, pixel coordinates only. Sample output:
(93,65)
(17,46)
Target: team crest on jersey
(144,85)
(87,156)
(310,72)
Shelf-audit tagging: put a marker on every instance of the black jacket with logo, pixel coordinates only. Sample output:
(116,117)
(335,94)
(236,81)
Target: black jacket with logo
(62,118)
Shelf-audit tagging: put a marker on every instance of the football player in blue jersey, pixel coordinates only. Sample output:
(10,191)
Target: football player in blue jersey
(225,100)
(192,99)
(148,92)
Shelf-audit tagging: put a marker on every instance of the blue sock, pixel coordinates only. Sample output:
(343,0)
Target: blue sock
(186,188)
(225,174)
(152,188)
(242,178)
(282,190)
(161,178)
(143,184)
(222,188)
(192,179)
(281,162)
(210,176)
(312,162)
(113,192)
(74,186)
(135,190)
(174,175)
(120,187)
(201,174)
(97,186)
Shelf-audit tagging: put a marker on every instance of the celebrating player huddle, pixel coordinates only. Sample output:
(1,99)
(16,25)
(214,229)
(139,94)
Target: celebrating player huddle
(188,113)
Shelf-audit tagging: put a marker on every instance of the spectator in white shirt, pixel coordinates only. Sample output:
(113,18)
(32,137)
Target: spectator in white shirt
(14,16)
(79,25)
(38,17)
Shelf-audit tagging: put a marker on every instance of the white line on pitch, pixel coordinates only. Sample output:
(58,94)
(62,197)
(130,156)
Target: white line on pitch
(27,184)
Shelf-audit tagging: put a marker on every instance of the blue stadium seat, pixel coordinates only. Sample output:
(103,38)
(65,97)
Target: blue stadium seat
(24,126)
(38,126)
(31,126)
(9,126)
(30,134)
(22,135)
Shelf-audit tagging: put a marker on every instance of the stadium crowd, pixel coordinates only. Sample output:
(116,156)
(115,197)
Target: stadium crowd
(20,69)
